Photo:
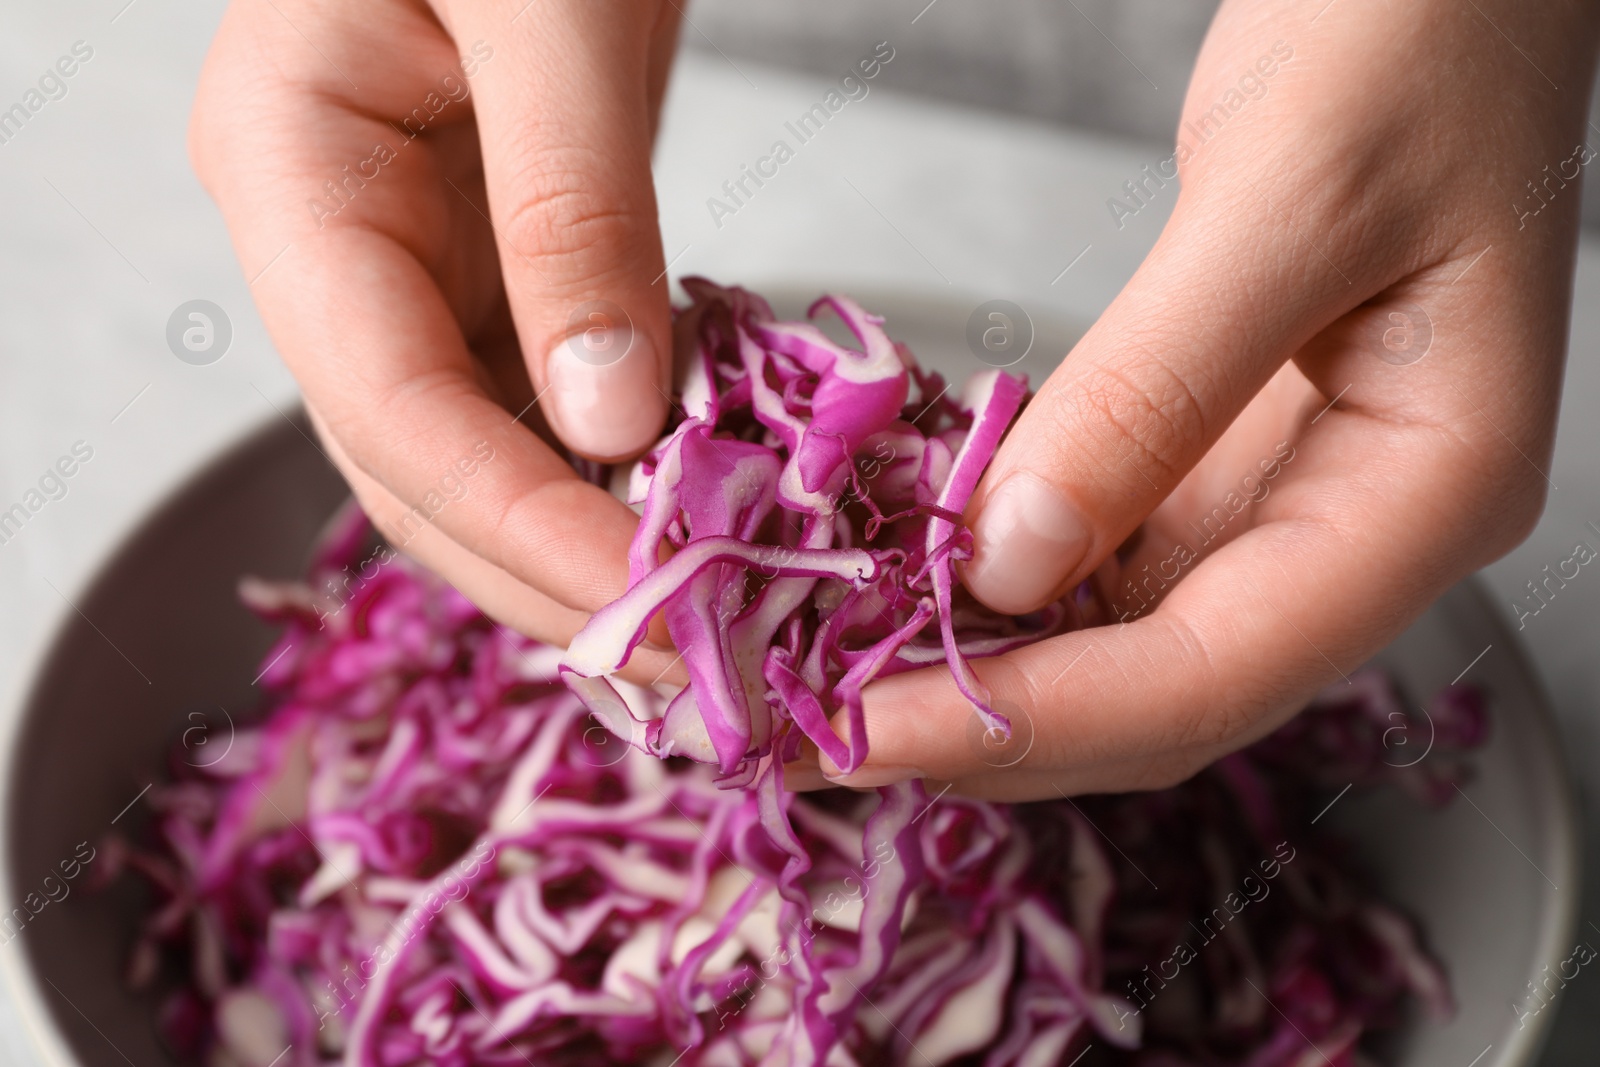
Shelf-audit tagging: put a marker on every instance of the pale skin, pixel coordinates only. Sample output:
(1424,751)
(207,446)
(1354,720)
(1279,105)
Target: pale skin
(1376,175)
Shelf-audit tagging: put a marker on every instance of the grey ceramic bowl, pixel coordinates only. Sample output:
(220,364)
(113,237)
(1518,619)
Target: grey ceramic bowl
(1494,880)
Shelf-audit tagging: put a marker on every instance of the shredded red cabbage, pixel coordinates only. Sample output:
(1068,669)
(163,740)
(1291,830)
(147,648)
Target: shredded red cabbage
(426,850)
(807,505)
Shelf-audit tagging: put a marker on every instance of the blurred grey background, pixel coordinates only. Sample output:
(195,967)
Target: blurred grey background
(1119,66)
(1116,66)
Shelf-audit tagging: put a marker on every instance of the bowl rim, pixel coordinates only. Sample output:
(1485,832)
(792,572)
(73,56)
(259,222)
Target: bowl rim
(1558,920)
(21,980)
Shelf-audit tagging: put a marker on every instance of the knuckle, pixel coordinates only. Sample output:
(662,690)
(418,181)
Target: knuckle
(1200,728)
(1523,515)
(1148,412)
(1518,506)
(1504,501)
(1209,727)
(569,227)
(1216,716)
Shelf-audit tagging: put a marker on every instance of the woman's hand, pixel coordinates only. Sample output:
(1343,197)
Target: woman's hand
(1329,393)
(447,214)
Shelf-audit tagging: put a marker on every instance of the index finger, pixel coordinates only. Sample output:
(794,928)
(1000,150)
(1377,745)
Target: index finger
(361,319)
(564,122)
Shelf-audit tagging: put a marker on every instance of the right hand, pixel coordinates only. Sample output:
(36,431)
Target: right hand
(432,296)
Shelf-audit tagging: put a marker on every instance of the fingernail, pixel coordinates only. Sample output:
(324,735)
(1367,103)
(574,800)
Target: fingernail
(1028,539)
(873,776)
(603,403)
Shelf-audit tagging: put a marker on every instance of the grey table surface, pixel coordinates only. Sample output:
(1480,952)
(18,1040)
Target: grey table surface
(104,232)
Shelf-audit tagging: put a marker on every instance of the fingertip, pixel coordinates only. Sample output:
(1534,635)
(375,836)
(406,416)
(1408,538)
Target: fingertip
(802,777)
(1029,538)
(890,746)
(871,776)
(603,396)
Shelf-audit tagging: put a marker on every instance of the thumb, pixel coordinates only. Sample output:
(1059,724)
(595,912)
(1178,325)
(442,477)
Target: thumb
(564,119)
(1197,332)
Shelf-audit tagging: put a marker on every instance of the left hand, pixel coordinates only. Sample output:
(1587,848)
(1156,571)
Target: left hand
(1306,484)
